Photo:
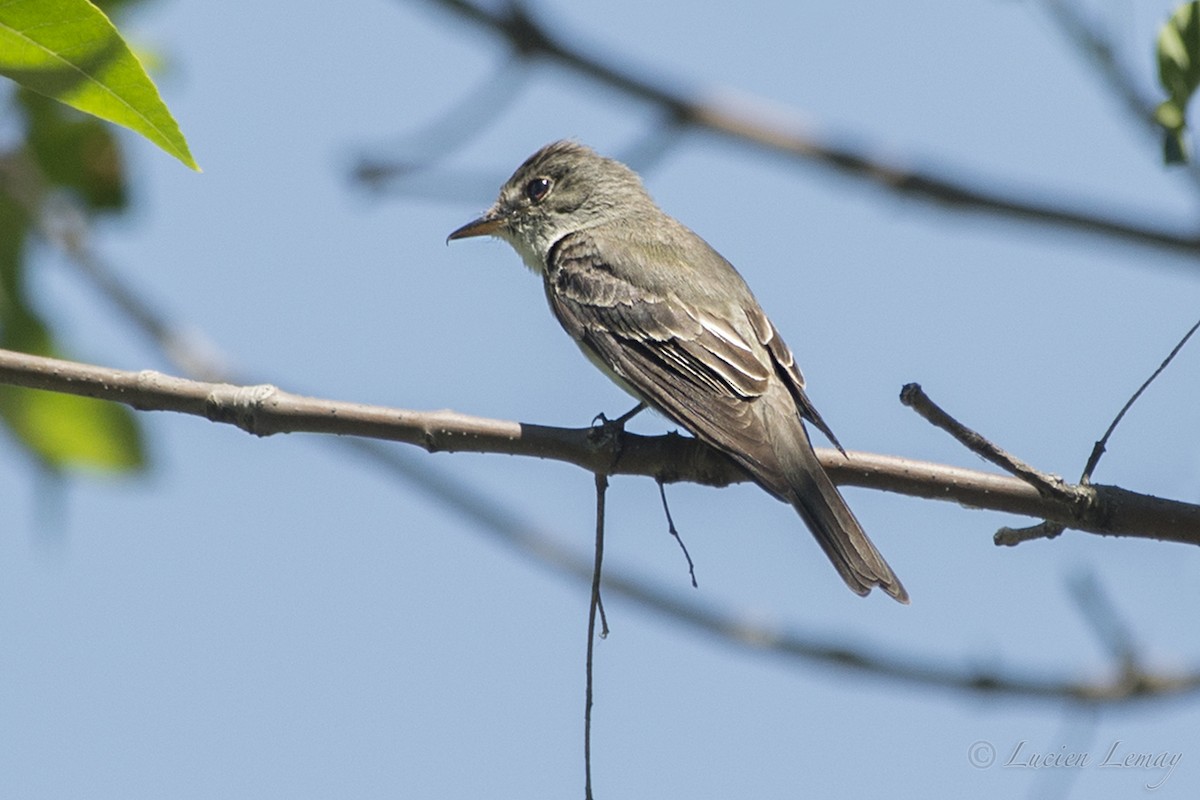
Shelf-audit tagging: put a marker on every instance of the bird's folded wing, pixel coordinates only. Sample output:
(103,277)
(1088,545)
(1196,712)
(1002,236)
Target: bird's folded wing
(685,361)
(785,365)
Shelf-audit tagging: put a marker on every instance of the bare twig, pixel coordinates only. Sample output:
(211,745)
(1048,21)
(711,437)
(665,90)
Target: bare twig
(671,529)
(741,120)
(1067,505)
(1099,447)
(1052,486)
(596,605)
(1011,537)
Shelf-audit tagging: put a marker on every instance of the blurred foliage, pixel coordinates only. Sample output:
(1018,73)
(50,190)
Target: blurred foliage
(1179,74)
(59,155)
(69,50)
(74,152)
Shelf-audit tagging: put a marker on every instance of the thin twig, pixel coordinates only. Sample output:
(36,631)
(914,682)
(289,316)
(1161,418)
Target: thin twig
(1099,448)
(662,492)
(1052,486)
(1011,537)
(595,605)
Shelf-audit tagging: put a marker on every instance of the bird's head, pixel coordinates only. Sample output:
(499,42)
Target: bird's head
(562,188)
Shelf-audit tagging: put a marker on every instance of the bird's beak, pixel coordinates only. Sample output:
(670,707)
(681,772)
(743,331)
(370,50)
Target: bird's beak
(487,224)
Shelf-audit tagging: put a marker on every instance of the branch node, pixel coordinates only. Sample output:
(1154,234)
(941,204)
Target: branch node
(240,406)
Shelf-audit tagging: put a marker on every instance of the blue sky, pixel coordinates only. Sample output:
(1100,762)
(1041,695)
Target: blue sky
(278,617)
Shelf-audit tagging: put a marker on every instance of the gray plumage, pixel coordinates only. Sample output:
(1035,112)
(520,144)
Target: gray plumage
(661,312)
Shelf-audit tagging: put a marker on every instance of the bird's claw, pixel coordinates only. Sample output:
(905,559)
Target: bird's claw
(604,429)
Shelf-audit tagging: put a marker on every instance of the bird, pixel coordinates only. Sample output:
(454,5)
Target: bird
(664,315)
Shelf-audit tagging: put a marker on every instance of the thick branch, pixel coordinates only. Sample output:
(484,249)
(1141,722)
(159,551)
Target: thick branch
(264,410)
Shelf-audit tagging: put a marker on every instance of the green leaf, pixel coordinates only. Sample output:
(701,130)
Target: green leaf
(68,50)
(65,430)
(1179,74)
(15,227)
(60,430)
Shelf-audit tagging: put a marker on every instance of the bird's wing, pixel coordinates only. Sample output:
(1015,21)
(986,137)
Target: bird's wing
(785,366)
(689,363)
(716,366)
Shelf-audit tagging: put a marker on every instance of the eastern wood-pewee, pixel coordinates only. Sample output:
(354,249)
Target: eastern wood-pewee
(661,312)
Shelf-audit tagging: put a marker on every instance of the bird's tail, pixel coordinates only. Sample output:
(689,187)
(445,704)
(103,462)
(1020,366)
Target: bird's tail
(831,521)
(839,534)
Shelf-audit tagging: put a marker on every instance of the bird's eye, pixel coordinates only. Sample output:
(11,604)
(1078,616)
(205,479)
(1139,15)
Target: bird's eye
(537,189)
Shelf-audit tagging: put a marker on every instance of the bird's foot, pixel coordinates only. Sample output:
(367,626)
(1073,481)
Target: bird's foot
(607,432)
(604,428)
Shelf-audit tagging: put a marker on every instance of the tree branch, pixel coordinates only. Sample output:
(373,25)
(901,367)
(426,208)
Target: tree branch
(737,119)
(264,410)
(1123,687)
(506,526)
